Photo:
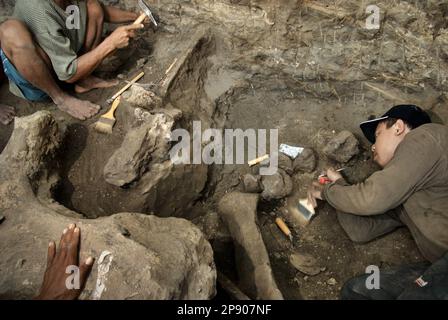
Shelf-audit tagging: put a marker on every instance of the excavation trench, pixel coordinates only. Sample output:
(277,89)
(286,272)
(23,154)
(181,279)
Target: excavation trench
(305,69)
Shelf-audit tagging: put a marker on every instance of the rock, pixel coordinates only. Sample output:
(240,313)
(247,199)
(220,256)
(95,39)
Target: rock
(148,263)
(142,146)
(306,161)
(252,183)
(332,282)
(142,165)
(213,227)
(239,212)
(169,111)
(305,264)
(2,218)
(285,163)
(276,186)
(141,98)
(342,147)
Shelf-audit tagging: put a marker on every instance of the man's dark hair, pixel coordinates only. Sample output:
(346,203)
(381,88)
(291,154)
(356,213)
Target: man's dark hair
(391,121)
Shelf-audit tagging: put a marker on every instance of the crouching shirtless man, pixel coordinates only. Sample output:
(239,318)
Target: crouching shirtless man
(39,48)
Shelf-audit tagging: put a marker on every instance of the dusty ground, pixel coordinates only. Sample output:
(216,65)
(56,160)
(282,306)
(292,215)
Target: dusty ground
(307,70)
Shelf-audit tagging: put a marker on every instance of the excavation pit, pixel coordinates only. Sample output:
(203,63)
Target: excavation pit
(303,69)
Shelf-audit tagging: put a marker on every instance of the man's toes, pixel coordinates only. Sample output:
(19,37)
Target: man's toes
(78,116)
(94,109)
(5,120)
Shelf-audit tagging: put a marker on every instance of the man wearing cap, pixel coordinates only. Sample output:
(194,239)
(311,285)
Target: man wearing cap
(411,190)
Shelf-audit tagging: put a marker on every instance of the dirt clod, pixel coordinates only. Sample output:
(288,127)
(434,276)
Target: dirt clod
(342,147)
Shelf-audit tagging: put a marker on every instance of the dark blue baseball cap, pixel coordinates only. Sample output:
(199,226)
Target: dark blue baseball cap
(414,116)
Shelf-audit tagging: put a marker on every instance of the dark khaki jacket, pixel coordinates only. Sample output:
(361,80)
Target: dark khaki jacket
(415,181)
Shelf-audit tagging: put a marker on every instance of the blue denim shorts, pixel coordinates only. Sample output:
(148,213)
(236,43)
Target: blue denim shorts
(29,91)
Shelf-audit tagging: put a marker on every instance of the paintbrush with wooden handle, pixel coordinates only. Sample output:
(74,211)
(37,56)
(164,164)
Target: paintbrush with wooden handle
(106,123)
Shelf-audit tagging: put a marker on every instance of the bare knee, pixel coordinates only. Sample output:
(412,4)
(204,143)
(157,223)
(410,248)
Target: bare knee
(14,36)
(95,11)
(354,230)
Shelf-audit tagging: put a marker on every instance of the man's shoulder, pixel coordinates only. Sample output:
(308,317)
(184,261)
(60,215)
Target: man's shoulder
(31,10)
(31,6)
(41,16)
(430,135)
(434,129)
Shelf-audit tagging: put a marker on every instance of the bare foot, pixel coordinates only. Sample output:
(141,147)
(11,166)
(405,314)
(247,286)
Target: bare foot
(6,114)
(92,82)
(78,109)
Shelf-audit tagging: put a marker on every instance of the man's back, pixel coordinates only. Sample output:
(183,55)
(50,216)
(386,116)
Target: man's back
(426,209)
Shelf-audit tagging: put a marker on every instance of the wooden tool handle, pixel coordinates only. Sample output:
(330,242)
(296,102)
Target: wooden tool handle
(140,19)
(258,160)
(126,87)
(114,107)
(282,225)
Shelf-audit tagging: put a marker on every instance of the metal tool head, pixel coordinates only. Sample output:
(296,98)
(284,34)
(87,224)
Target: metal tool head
(145,8)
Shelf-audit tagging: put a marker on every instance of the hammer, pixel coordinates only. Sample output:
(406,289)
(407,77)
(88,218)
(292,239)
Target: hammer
(146,13)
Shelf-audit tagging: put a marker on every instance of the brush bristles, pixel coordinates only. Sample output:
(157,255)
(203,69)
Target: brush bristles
(105,125)
(306,209)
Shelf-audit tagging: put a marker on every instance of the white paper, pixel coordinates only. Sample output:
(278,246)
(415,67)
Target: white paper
(290,151)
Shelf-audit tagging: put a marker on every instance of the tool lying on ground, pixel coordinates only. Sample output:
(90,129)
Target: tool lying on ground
(258,160)
(107,121)
(282,225)
(126,87)
(323,179)
(161,82)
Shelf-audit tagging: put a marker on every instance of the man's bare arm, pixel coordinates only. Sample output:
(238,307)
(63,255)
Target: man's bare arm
(116,15)
(88,62)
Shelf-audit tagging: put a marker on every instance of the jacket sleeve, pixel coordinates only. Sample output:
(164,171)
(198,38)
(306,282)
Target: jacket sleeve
(413,163)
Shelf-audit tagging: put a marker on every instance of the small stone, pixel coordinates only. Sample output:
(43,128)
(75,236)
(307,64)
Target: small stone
(332,282)
(252,183)
(305,278)
(306,161)
(20,263)
(175,114)
(342,147)
(285,163)
(141,98)
(2,218)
